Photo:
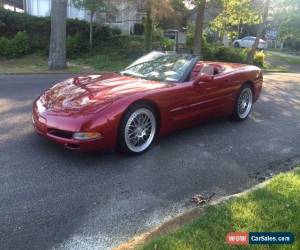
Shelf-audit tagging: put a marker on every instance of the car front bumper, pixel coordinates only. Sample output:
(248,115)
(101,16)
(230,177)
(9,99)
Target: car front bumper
(59,133)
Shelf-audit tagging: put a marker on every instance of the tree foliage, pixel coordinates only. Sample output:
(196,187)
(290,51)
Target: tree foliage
(286,18)
(94,7)
(155,9)
(235,14)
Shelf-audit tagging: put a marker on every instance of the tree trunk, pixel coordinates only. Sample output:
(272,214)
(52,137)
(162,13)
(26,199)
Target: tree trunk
(91,29)
(240,28)
(57,50)
(199,27)
(148,30)
(259,32)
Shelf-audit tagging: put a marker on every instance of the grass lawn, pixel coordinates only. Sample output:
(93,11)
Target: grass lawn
(274,207)
(106,59)
(269,67)
(37,64)
(287,59)
(93,62)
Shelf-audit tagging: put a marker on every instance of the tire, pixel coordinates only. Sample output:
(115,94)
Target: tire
(236,45)
(137,129)
(243,104)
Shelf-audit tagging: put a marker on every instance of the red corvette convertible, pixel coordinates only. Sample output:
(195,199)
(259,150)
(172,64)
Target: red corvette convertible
(157,94)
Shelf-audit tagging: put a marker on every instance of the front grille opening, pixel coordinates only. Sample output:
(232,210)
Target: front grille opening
(61,133)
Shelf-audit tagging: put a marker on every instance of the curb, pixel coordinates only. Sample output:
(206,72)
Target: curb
(185,218)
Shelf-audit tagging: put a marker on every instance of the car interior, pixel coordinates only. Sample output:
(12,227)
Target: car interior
(207,69)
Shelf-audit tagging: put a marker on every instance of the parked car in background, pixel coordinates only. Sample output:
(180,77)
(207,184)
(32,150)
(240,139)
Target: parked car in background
(248,41)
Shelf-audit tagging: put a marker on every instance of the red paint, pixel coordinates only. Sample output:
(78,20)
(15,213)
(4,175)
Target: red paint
(96,103)
(237,238)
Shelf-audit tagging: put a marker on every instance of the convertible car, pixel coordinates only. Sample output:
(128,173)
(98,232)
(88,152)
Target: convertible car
(157,94)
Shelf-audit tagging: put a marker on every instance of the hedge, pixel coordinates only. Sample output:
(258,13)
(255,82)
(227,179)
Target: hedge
(38,32)
(15,47)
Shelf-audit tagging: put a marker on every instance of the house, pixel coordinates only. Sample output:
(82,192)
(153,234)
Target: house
(124,14)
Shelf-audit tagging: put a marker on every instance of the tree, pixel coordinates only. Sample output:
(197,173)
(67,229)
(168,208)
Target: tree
(286,19)
(200,7)
(57,50)
(155,10)
(148,29)
(178,18)
(265,11)
(234,16)
(93,6)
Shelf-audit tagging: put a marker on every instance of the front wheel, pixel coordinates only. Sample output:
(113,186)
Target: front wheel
(138,129)
(243,104)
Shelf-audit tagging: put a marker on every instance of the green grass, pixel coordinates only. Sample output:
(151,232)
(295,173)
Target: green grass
(106,59)
(286,59)
(268,67)
(275,207)
(37,63)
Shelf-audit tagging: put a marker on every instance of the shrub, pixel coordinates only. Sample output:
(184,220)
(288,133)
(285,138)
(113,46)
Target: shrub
(75,45)
(138,29)
(19,45)
(16,47)
(38,29)
(168,44)
(259,59)
(134,48)
(230,55)
(4,46)
(292,43)
(101,34)
(39,44)
(116,31)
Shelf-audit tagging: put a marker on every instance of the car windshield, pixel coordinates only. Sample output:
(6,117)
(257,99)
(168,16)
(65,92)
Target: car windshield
(160,66)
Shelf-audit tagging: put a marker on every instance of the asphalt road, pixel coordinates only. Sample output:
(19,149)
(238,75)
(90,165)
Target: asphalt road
(53,198)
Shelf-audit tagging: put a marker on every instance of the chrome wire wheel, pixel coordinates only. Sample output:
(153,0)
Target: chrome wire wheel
(140,130)
(245,103)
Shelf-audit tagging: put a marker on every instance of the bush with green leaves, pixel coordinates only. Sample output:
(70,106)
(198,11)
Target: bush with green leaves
(134,49)
(38,31)
(231,55)
(15,47)
(138,29)
(116,31)
(20,44)
(75,45)
(4,47)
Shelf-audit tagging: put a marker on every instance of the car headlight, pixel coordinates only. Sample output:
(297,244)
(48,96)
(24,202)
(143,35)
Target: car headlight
(83,136)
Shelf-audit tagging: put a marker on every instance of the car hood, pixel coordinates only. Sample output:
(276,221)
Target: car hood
(92,93)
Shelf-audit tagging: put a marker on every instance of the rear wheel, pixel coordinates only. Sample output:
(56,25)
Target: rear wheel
(243,104)
(138,129)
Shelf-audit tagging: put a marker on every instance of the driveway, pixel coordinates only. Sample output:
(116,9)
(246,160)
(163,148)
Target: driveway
(52,198)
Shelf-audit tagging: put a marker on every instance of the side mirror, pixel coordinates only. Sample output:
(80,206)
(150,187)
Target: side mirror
(203,78)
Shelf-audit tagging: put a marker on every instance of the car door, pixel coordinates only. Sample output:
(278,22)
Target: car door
(245,42)
(190,102)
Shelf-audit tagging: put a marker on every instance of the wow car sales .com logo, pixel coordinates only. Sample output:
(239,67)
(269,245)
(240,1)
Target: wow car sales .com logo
(245,238)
